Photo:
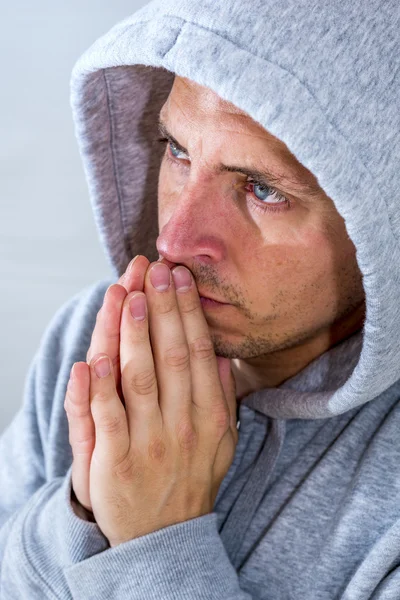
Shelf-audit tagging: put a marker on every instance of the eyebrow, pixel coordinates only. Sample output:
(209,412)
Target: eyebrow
(264,176)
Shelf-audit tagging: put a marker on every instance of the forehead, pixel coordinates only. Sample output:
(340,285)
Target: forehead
(205,96)
(191,106)
(195,102)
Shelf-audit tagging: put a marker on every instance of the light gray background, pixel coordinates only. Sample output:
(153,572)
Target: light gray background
(49,248)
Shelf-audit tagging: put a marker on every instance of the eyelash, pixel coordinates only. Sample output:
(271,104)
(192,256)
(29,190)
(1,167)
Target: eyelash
(263,208)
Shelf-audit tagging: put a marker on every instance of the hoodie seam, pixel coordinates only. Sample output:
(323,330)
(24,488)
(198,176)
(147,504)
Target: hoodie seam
(176,39)
(307,88)
(114,160)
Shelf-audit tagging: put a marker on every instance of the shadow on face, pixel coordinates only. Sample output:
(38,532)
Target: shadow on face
(257,231)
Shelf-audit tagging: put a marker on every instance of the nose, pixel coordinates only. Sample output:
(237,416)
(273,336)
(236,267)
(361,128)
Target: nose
(192,227)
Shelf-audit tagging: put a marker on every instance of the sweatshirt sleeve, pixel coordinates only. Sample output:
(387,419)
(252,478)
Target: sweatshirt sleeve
(39,531)
(46,550)
(186,560)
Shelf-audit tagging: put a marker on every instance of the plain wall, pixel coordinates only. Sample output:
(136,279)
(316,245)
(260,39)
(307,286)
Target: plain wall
(49,248)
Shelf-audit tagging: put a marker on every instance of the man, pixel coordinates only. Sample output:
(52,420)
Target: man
(282,260)
(275,185)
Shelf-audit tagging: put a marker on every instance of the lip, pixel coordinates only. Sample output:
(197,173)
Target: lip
(209,298)
(216,302)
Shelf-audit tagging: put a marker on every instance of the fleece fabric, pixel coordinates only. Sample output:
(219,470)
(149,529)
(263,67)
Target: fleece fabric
(310,507)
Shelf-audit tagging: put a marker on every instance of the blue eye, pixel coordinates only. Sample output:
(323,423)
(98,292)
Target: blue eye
(265,192)
(271,200)
(172,148)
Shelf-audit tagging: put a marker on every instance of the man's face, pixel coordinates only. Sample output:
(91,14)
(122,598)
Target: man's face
(280,256)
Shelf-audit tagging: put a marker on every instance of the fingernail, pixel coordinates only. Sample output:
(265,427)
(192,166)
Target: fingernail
(160,276)
(131,264)
(137,306)
(102,366)
(182,278)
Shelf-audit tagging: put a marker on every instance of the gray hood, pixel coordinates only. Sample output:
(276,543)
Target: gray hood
(310,75)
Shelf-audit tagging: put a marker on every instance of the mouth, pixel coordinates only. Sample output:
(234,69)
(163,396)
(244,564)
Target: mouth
(206,302)
(209,303)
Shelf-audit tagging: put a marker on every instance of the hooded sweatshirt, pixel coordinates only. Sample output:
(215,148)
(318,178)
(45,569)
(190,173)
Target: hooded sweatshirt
(310,507)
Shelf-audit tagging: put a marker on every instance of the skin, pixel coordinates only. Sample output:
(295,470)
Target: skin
(290,275)
(150,365)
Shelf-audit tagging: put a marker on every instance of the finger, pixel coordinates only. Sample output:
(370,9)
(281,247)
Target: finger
(106,335)
(169,344)
(112,439)
(81,429)
(133,278)
(207,390)
(139,381)
(229,385)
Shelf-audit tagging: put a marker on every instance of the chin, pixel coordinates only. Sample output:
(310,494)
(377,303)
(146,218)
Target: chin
(223,347)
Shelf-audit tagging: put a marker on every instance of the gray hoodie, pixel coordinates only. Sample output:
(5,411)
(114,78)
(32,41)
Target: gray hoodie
(310,507)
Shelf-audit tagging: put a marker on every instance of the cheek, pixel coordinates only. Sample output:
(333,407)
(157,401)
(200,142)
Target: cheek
(298,275)
(293,258)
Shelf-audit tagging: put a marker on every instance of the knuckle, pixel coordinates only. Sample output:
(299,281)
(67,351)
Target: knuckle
(76,409)
(178,357)
(186,434)
(126,469)
(189,306)
(111,424)
(202,348)
(166,308)
(77,412)
(157,451)
(81,445)
(220,418)
(144,383)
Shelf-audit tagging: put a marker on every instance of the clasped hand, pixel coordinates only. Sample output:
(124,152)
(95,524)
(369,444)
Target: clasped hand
(152,412)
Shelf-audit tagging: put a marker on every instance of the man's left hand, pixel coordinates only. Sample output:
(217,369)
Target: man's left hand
(161,460)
